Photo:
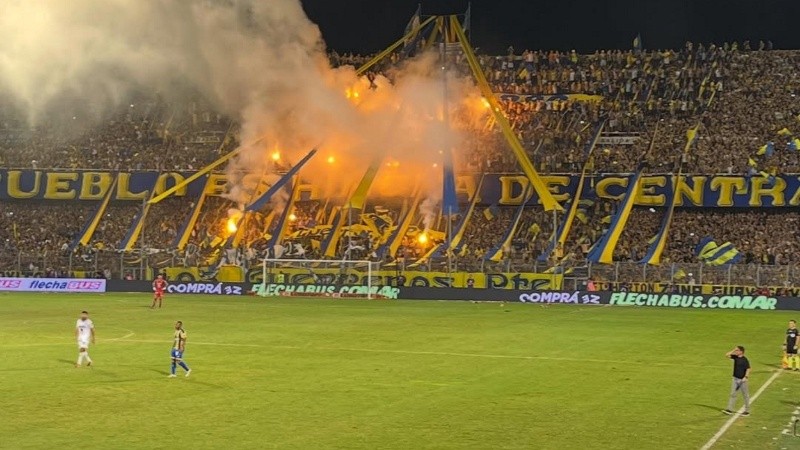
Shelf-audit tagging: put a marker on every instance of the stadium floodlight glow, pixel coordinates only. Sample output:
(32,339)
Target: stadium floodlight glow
(323,277)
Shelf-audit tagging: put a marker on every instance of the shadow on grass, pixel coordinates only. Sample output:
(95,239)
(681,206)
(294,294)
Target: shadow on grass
(203,383)
(191,379)
(771,365)
(715,408)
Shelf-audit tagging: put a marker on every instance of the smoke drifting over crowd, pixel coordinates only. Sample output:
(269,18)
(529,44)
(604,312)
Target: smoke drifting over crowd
(262,63)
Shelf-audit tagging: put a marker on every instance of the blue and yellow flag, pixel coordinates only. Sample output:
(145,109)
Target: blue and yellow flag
(91,225)
(708,251)
(637,42)
(491,212)
(426,256)
(578,207)
(354,206)
(691,137)
(186,229)
(413,24)
(496,254)
(138,224)
(794,144)
(283,221)
(659,241)
(394,240)
(603,252)
(461,227)
(261,201)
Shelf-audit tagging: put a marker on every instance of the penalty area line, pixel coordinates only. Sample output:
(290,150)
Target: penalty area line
(736,415)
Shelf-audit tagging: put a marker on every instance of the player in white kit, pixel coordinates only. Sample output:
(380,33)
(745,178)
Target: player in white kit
(84,333)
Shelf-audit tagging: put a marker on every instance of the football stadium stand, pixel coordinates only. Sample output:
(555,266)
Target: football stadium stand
(718,121)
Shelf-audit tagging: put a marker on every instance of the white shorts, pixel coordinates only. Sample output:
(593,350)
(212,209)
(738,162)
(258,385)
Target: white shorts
(83,343)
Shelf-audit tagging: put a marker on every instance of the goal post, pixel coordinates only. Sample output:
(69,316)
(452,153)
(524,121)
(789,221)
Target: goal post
(319,278)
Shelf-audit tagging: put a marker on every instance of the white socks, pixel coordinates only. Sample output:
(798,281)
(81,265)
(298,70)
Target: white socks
(82,356)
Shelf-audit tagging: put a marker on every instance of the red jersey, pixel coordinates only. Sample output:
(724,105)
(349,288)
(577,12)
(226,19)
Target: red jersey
(159,285)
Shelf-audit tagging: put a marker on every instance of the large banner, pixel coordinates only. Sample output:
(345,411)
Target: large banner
(52,285)
(549,98)
(724,191)
(411,278)
(608,298)
(694,289)
(746,302)
(325,290)
(180,287)
(683,301)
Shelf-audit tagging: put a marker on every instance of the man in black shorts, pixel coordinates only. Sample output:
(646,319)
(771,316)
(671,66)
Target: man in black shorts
(791,347)
(741,373)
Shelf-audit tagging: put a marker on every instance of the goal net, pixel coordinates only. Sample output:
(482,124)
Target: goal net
(319,278)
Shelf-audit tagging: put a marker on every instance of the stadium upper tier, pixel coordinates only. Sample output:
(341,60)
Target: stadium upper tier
(741,98)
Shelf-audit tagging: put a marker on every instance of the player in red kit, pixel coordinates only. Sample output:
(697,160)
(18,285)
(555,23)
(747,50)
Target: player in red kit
(159,286)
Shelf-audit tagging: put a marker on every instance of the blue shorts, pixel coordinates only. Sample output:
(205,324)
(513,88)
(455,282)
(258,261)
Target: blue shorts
(175,353)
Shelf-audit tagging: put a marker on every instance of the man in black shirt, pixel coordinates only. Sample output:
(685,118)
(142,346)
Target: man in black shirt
(741,373)
(791,346)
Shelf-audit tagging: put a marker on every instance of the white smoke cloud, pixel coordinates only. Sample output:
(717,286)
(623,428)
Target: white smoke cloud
(262,63)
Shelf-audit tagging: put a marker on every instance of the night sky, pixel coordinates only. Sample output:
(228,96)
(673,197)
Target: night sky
(368,26)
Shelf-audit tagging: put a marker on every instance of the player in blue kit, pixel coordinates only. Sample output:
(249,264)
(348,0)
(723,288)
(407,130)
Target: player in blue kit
(178,347)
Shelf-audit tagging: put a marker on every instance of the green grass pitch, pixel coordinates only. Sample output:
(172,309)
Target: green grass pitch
(357,374)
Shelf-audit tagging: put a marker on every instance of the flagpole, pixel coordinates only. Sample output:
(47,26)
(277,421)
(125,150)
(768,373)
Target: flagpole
(141,241)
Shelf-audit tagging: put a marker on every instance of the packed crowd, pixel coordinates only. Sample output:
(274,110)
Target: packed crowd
(147,134)
(739,99)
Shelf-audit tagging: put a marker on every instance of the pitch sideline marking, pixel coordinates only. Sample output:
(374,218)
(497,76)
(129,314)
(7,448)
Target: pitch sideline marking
(124,339)
(483,355)
(795,417)
(54,344)
(733,418)
(131,334)
(427,353)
